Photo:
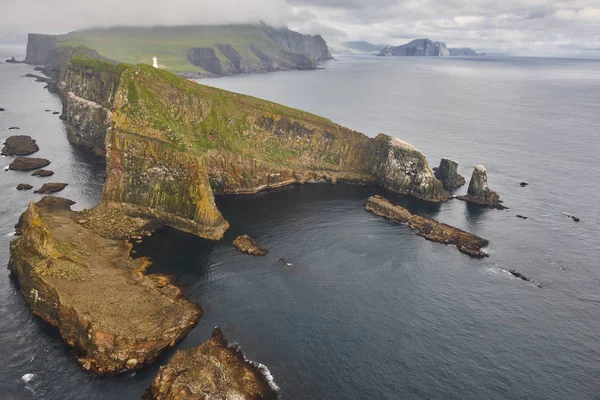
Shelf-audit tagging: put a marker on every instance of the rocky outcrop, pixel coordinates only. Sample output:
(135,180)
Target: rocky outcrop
(166,159)
(314,47)
(13,60)
(51,188)
(428,228)
(24,186)
(28,164)
(214,370)
(418,47)
(448,174)
(115,317)
(247,244)
(43,173)
(39,47)
(205,58)
(479,192)
(19,146)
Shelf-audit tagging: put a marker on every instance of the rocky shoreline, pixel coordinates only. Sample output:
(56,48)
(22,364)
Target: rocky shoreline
(214,370)
(115,317)
(428,228)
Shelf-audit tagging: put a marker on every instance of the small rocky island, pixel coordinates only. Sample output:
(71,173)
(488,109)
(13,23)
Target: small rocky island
(247,244)
(87,286)
(448,174)
(19,146)
(214,370)
(479,192)
(429,228)
(28,164)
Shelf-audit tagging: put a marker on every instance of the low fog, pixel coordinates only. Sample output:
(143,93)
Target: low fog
(526,27)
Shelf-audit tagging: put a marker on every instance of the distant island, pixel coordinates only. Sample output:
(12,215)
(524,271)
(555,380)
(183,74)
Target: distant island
(426,48)
(194,51)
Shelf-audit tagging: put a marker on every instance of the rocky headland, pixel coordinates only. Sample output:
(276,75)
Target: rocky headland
(247,244)
(171,145)
(214,370)
(86,285)
(447,173)
(428,228)
(479,193)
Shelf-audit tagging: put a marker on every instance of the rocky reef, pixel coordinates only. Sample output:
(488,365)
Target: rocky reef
(247,244)
(479,192)
(86,285)
(19,146)
(214,370)
(28,164)
(428,228)
(448,174)
(51,188)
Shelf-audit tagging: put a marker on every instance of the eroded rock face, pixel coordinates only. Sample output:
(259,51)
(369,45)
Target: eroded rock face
(205,58)
(28,164)
(448,174)
(429,228)
(214,370)
(19,146)
(247,244)
(87,286)
(479,192)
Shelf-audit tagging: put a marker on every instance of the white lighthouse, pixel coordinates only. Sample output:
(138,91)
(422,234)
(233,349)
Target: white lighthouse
(155,62)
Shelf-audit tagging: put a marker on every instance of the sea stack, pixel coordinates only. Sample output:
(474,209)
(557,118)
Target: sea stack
(479,192)
(214,370)
(447,172)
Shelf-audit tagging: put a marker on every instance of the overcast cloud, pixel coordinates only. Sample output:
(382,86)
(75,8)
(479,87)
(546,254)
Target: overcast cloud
(527,27)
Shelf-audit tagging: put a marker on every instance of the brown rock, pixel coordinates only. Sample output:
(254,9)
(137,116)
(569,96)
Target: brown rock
(479,192)
(247,244)
(42,173)
(214,370)
(51,188)
(429,228)
(28,164)
(447,172)
(24,186)
(19,146)
(97,296)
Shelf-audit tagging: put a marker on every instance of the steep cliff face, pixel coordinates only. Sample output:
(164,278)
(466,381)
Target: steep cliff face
(173,144)
(313,46)
(39,47)
(88,287)
(418,47)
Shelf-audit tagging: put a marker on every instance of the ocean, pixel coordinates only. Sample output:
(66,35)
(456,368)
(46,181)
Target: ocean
(368,310)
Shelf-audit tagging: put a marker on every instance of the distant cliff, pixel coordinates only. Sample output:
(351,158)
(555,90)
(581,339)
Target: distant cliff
(194,51)
(426,47)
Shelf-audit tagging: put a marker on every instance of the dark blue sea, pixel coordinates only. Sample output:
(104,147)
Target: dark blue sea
(368,310)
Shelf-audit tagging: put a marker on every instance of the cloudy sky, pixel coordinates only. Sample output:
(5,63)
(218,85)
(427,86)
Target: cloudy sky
(526,27)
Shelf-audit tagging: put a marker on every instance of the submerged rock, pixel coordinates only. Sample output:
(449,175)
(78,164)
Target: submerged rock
(28,164)
(13,128)
(51,188)
(247,244)
(24,186)
(523,184)
(19,146)
(43,173)
(13,60)
(522,216)
(88,287)
(214,370)
(447,172)
(518,275)
(479,192)
(2,109)
(429,228)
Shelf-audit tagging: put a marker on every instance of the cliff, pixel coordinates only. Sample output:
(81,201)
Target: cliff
(194,51)
(174,144)
(87,286)
(314,47)
(214,370)
(418,47)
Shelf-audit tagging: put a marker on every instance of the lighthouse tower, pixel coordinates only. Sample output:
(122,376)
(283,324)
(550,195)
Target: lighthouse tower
(155,62)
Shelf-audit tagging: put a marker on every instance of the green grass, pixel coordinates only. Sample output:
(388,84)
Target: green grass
(138,45)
